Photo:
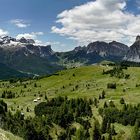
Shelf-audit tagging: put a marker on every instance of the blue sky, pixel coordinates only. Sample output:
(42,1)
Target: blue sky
(92,20)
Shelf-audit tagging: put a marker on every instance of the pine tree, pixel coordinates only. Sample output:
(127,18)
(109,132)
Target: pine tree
(122,101)
(96,131)
(103,94)
(125,107)
(105,105)
(35,85)
(96,102)
(113,132)
(27,109)
(104,125)
(25,86)
(100,97)
(46,98)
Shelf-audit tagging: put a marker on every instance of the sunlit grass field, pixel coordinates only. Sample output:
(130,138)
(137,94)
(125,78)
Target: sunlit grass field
(84,82)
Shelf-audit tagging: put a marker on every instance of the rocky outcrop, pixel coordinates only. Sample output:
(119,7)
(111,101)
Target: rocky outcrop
(134,51)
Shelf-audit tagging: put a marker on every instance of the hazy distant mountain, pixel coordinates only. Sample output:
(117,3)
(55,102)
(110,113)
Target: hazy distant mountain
(134,51)
(97,51)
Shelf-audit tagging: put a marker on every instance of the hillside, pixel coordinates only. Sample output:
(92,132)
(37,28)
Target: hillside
(4,135)
(8,73)
(42,60)
(24,55)
(63,82)
(84,82)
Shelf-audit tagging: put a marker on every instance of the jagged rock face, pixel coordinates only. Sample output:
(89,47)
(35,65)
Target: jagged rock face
(107,49)
(118,48)
(6,40)
(24,55)
(138,38)
(134,52)
(79,48)
(25,47)
(97,51)
(100,48)
(26,41)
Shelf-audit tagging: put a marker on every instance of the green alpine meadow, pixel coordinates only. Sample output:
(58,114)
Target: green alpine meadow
(79,103)
(69,70)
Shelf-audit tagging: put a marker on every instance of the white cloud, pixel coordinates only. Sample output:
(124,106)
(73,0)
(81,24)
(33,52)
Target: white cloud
(20,23)
(41,43)
(32,35)
(3,33)
(104,20)
(26,35)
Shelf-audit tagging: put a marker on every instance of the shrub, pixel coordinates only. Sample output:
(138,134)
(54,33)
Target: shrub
(122,101)
(111,85)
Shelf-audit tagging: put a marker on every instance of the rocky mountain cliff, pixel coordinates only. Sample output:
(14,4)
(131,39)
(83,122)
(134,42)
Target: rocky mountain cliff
(96,52)
(134,51)
(24,55)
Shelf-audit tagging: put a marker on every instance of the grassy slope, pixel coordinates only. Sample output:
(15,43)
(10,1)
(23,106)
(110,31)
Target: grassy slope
(7,72)
(4,135)
(90,82)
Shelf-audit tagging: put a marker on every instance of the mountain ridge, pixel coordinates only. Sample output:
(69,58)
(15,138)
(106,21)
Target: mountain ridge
(96,51)
(24,55)
(133,54)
